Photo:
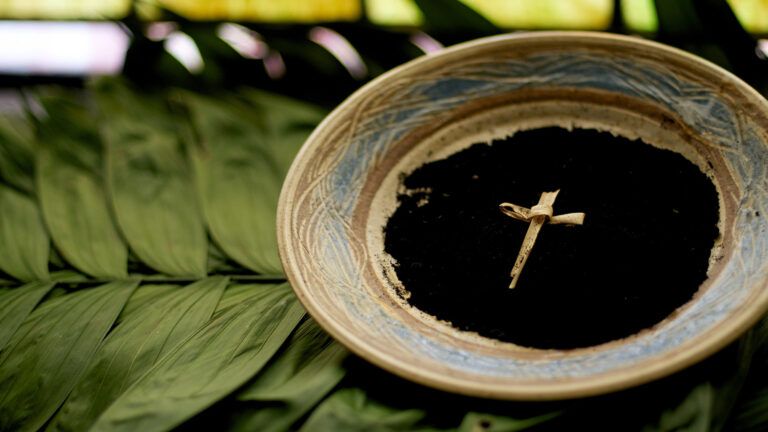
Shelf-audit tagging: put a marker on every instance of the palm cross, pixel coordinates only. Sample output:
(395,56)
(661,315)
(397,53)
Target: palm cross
(537,215)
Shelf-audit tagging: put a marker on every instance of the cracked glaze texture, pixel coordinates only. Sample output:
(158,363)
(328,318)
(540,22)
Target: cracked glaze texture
(327,254)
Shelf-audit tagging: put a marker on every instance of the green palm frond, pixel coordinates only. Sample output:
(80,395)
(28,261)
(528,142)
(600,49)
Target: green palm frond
(70,184)
(51,349)
(212,363)
(16,304)
(148,180)
(143,335)
(24,243)
(309,366)
(121,187)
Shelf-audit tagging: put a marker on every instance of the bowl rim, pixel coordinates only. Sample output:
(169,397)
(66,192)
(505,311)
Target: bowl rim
(716,339)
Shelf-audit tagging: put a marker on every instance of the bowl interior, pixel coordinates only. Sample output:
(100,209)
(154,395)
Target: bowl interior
(342,188)
(579,110)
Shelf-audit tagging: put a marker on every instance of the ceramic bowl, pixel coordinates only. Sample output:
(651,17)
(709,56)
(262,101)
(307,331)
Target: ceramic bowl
(342,188)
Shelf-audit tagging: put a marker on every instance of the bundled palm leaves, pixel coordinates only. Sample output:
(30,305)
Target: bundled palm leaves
(143,290)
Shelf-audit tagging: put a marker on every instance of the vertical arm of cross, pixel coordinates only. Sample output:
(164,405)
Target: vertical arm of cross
(539,215)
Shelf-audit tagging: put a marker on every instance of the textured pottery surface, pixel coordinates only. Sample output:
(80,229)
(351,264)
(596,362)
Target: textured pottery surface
(342,188)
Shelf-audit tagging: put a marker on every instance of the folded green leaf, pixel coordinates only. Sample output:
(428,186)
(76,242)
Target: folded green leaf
(15,306)
(50,351)
(236,181)
(288,124)
(281,113)
(24,244)
(70,188)
(235,295)
(136,344)
(349,410)
(17,153)
(294,381)
(221,263)
(68,276)
(240,161)
(149,181)
(311,359)
(145,296)
(206,367)
(694,414)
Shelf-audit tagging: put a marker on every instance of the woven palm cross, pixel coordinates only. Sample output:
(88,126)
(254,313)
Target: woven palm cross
(537,216)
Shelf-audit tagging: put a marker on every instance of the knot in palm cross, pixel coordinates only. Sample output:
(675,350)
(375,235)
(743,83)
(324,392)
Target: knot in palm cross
(537,216)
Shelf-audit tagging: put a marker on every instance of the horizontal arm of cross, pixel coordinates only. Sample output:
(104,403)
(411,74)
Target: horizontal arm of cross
(524,214)
(536,216)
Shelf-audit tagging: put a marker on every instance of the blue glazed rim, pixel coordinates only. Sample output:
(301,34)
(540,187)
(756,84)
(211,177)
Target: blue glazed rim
(322,252)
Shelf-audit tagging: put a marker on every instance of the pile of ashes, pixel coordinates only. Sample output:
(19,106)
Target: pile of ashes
(643,251)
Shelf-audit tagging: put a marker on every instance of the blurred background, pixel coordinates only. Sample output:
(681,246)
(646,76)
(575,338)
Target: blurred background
(322,50)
